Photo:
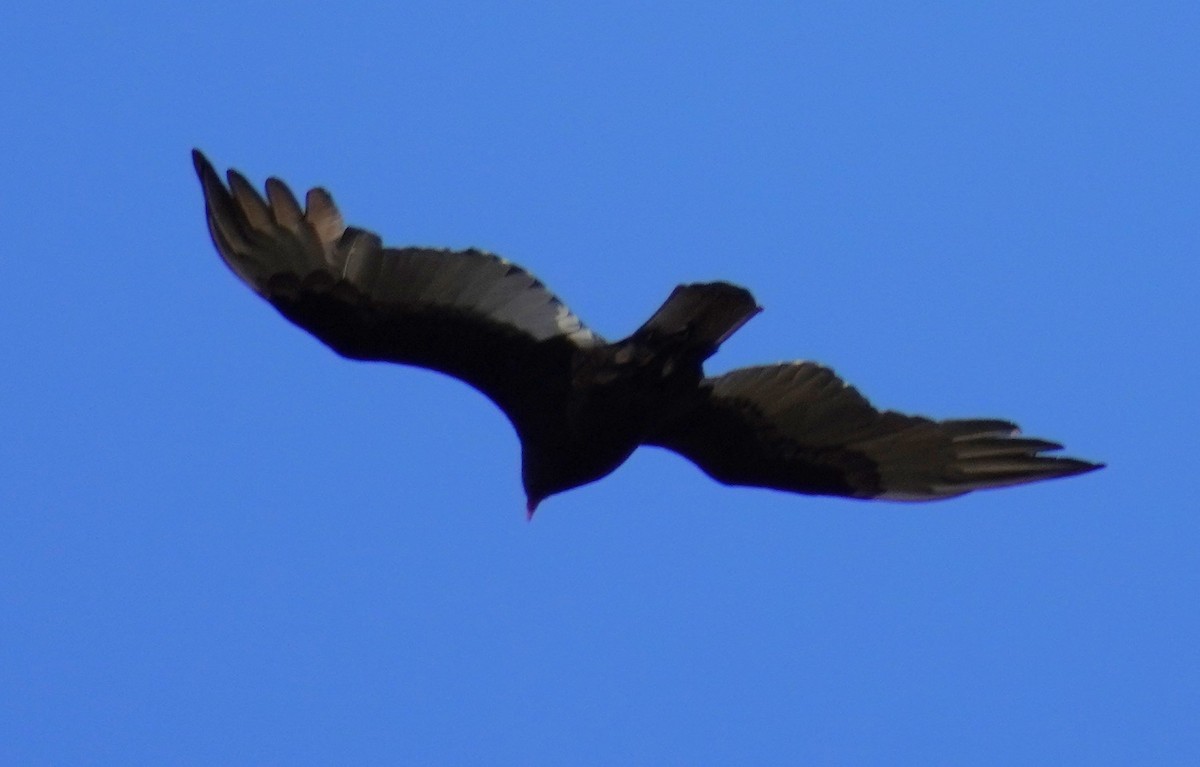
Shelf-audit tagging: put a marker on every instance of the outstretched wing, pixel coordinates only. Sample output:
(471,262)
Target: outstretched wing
(799,427)
(468,314)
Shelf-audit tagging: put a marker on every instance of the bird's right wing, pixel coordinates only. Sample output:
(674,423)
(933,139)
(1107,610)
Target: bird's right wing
(798,427)
(468,314)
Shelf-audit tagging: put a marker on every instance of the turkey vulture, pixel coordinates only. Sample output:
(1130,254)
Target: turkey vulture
(581,405)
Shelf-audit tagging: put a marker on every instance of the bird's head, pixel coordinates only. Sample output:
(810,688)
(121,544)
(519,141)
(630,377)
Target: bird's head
(547,472)
(540,483)
(531,505)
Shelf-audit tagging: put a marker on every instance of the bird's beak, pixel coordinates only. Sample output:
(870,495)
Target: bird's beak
(531,506)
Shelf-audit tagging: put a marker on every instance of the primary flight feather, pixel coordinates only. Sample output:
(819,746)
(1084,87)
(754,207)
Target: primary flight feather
(580,404)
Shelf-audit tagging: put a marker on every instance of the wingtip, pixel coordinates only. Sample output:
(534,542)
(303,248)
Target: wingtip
(1067,467)
(200,162)
(209,178)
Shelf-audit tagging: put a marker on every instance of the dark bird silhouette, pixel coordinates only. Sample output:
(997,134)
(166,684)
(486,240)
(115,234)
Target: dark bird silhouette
(581,405)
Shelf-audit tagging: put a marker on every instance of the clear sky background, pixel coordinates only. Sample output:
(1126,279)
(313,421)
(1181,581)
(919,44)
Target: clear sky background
(222,544)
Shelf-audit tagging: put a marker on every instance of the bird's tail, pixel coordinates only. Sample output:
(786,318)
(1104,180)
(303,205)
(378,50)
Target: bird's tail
(704,314)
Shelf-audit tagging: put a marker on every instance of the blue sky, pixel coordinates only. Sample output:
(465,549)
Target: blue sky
(222,544)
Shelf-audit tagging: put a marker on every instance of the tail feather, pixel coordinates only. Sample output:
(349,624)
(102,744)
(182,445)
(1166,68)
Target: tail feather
(704,313)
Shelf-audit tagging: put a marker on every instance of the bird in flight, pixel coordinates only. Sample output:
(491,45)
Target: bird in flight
(580,404)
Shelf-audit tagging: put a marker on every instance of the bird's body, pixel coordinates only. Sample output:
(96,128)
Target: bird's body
(581,405)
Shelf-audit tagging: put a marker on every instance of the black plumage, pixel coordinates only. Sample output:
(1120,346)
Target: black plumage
(581,405)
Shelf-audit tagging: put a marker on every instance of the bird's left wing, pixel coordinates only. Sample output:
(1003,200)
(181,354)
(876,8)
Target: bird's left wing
(468,314)
(798,427)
